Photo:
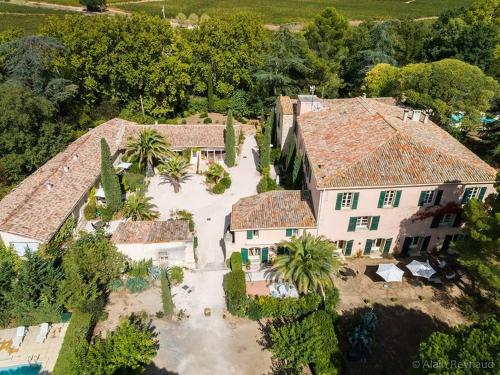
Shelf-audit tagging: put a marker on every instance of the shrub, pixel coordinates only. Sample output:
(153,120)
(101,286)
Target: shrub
(226,181)
(203,115)
(236,261)
(218,188)
(136,284)
(133,181)
(75,344)
(159,314)
(115,285)
(106,213)
(270,307)
(90,212)
(236,292)
(166,295)
(195,242)
(183,215)
(310,341)
(275,155)
(176,275)
(140,268)
(207,120)
(197,104)
(266,183)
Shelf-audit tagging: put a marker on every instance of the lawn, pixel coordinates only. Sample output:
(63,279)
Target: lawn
(286,11)
(17,8)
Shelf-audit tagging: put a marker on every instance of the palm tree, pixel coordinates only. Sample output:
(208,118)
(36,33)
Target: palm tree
(148,148)
(175,169)
(309,263)
(139,207)
(214,173)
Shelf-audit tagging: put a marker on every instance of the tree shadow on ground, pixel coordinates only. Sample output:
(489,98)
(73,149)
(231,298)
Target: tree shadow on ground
(154,370)
(396,338)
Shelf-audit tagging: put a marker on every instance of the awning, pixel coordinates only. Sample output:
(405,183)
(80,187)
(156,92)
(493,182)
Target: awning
(390,272)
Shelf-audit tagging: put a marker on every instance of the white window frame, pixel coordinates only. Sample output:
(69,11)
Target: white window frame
(474,193)
(295,232)
(380,246)
(446,220)
(255,233)
(360,220)
(429,197)
(389,198)
(341,245)
(254,252)
(347,199)
(415,244)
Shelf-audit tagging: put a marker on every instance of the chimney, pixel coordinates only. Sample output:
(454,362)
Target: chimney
(308,103)
(405,115)
(426,118)
(364,95)
(156,122)
(49,185)
(66,168)
(416,115)
(75,157)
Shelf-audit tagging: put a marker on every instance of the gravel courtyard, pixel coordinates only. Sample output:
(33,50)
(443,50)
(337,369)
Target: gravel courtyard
(208,344)
(211,212)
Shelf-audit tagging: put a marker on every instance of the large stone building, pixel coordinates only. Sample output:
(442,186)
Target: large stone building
(378,178)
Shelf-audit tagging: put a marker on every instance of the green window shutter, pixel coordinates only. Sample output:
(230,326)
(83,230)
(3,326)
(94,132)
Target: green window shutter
(348,248)
(352,224)
(482,191)
(458,220)
(446,243)
(381,199)
(466,196)
(437,200)
(288,232)
(338,204)
(264,254)
(374,223)
(387,245)
(435,221)
(406,246)
(398,198)
(355,201)
(421,198)
(249,234)
(425,244)
(244,256)
(368,247)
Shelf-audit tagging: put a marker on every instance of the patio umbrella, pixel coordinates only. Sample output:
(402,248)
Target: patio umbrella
(421,269)
(389,272)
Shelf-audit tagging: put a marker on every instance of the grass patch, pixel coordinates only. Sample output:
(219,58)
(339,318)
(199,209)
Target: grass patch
(286,11)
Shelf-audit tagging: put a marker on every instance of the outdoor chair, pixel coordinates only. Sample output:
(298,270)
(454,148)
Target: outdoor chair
(19,337)
(42,335)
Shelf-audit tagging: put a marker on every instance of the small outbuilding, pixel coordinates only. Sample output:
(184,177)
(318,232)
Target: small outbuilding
(165,242)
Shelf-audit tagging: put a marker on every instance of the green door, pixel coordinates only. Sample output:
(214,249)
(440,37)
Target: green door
(348,248)
(264,255)
(368,247)
(244,256)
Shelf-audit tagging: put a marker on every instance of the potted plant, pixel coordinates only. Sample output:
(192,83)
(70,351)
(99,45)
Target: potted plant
(247,265)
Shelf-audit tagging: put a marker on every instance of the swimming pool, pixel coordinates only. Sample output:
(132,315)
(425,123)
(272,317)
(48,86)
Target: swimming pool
(27,369)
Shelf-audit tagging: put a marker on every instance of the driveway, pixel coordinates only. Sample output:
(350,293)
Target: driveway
(212,344)
(211,212)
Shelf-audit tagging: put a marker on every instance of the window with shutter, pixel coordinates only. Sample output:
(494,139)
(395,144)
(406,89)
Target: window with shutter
(288,232)
(387,246)
(425,243)
(368,247)
(439,195)
(482,191)
(348,248)
(338,203)
(249,234)
(398,198)
(374,222)
(244,256)
(468,194)
(435,221)
(422,198)
(381,199)
(355,201)
(352,224)
(264,255)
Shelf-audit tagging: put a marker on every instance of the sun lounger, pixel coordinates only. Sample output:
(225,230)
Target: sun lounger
(18,338)
(42,335)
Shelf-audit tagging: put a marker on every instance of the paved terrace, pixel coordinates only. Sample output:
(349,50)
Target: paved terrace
(30,351)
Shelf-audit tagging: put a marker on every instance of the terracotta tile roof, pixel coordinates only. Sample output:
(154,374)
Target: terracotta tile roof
(33,210)
(274,209)
(130,232)
(286,105)
(364,142)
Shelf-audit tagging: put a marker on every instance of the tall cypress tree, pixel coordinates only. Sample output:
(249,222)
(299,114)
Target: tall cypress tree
(265,150)
(229,144)
(210,89)
(109,179)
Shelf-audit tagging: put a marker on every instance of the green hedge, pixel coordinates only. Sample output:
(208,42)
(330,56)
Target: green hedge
(267,306)
(166,295)
(236,292)
(236,261)
(75,344)
(137,284)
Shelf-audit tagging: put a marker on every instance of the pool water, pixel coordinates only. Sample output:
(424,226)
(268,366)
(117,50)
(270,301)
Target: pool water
(33,369)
